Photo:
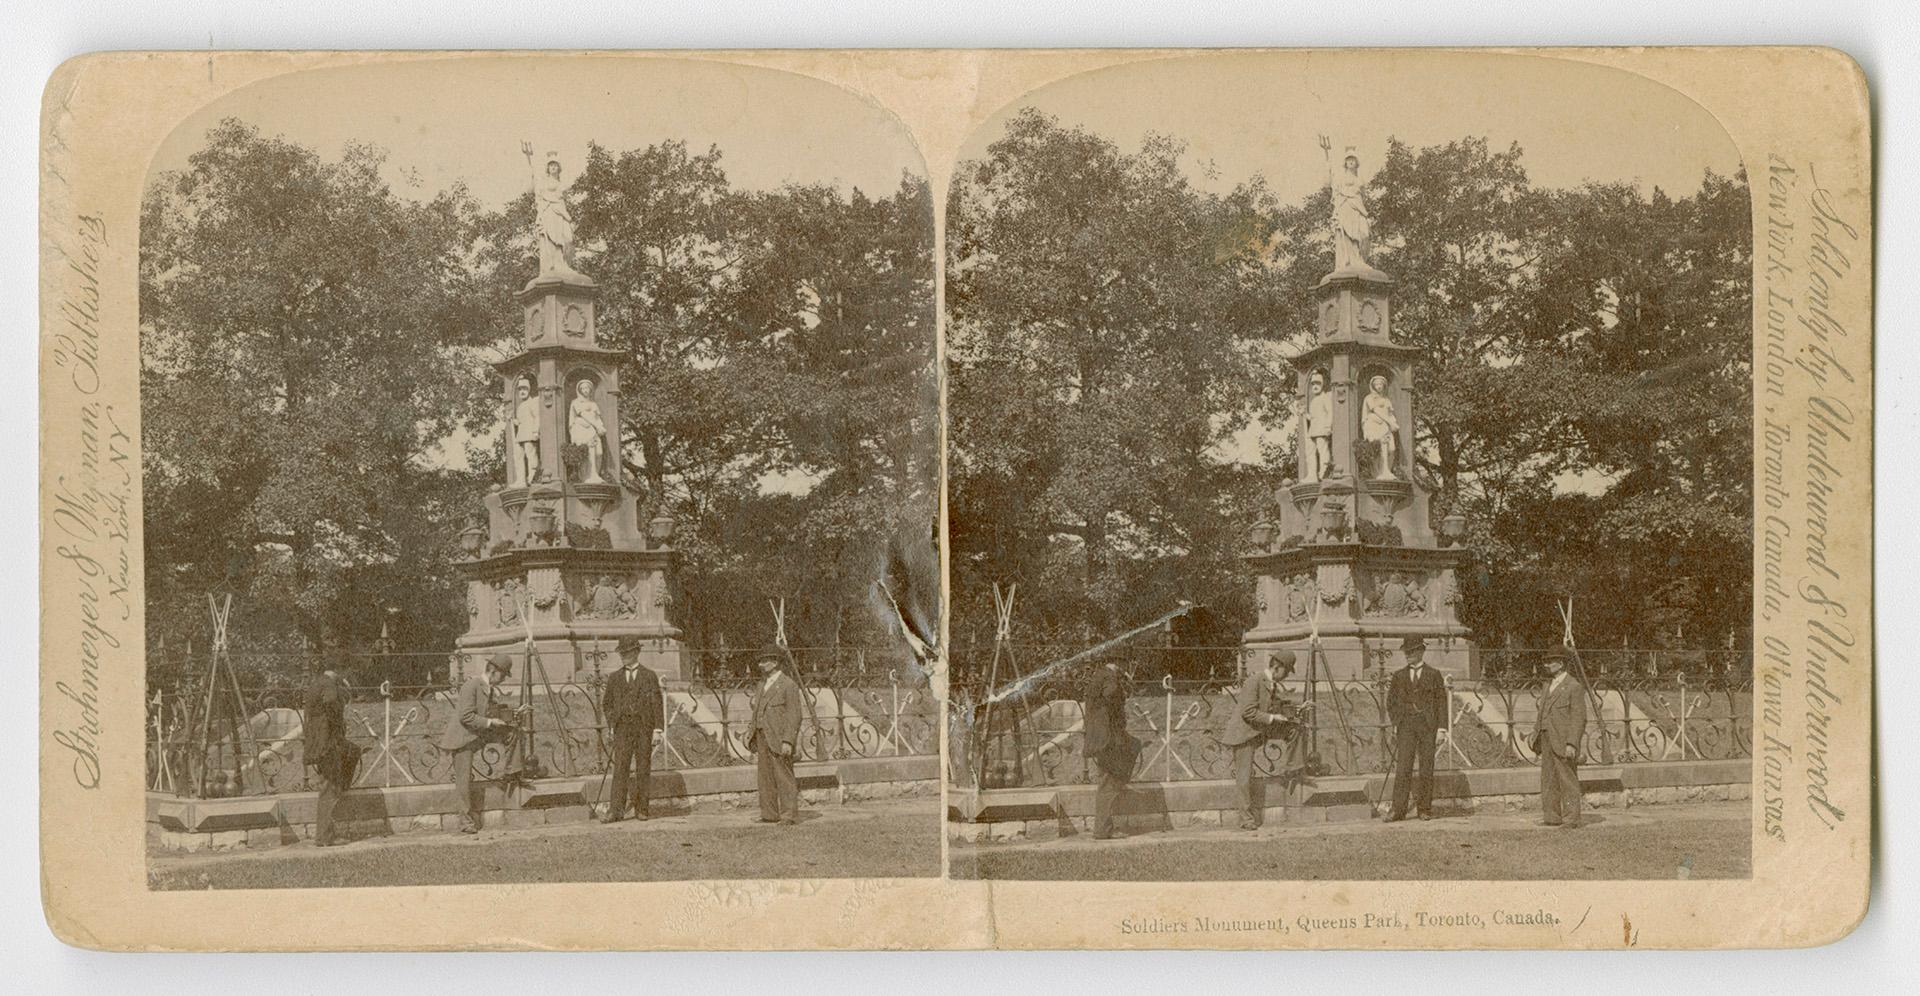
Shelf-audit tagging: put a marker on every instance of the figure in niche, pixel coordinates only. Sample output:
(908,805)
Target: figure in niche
(604,599)
(1393,597)
(526,433)
(1297,595)
(587,428)
(1352,224)
(507,600)
(1416,597)
(553,218)
(1380,427)
(1319,463)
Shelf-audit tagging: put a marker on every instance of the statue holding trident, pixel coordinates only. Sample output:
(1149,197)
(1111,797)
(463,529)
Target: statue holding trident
(1352,225)
(552,218)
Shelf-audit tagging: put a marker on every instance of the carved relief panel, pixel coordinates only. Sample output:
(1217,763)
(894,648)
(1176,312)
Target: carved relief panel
(1397,594)
(534,324)
(1297,603)
(1370,319)
(574,322)
(603,596)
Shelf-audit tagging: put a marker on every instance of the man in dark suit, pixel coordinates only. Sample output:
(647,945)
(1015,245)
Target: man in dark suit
(1557,733)
(326,748)
(1417,701)
(634,710)
(1108,745)
(777,708)
(478,720)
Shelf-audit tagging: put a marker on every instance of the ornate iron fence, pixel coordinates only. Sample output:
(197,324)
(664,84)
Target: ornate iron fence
(849,714)
(1036,738)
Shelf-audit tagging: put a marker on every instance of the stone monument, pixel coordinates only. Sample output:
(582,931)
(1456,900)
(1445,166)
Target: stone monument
(1353,555)
(560,553)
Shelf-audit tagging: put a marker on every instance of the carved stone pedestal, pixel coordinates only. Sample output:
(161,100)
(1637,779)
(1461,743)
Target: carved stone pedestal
(1365,601)
(1353,552)
(577,603)
(565,556)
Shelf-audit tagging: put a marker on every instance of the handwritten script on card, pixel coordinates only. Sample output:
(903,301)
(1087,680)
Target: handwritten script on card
(90,508)
(1807,429)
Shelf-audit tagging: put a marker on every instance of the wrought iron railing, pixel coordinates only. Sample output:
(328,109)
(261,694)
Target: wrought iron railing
(849,714)
(1036,738)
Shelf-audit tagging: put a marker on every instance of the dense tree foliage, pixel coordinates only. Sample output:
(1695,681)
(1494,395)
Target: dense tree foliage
(1105,325)
(315,344)
(1585,399)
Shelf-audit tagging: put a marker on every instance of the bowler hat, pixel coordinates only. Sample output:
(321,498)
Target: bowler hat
(627,646)
(1281,658)
(1411,644)
(774,653)
(501,663)
(1561,654)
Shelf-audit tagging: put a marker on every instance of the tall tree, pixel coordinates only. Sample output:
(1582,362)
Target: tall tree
(778,382)
(1102,315)
(305,341)
(315,349)
(1584,398)
(1584,394)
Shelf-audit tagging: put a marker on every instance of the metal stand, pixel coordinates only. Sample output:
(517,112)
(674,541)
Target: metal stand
(1580,673)
(1002,649)
(221,705)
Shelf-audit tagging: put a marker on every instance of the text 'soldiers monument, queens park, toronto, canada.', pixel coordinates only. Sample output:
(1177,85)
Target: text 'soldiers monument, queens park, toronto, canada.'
(1353,557)
(563,560)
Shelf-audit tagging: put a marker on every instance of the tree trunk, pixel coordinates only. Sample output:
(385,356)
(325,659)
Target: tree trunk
(1449,467)
(1094,550)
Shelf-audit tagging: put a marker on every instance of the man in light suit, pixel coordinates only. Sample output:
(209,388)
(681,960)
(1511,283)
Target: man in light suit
(478,720)
(1557,733)
(1258,716)
(634,707)
(1107,743)
(1417,701)
(777,707)
(326,748)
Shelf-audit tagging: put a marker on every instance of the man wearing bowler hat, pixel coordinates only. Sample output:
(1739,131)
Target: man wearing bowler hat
(634,707)
(480,719)
(1557,732)
(775,739)
(1258,716)
(1417,702)
(1108,745)
(333,757)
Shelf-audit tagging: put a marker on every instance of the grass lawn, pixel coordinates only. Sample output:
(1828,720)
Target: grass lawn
(1659,842)
(877,840)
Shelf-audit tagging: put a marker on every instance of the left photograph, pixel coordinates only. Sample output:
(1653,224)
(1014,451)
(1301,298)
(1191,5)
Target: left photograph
(541,474)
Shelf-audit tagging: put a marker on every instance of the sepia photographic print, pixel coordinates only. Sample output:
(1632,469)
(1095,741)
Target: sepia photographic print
(536,488)
(956,499)
(1384,500)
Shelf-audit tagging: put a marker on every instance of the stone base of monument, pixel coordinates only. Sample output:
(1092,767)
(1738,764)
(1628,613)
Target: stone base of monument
(1067,810)
(1344,657)
(176,824)
(564,657)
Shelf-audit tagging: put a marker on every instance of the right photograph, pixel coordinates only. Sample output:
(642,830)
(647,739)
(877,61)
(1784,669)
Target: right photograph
(1350,476)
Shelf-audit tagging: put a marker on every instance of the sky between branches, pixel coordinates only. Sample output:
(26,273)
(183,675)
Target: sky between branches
(1254,113)
(464,120)
(1243,115)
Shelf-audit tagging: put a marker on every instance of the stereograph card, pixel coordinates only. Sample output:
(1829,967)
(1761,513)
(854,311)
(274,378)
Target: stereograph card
(948,499)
